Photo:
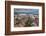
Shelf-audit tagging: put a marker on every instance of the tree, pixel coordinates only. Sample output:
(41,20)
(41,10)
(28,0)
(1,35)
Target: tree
(29,22)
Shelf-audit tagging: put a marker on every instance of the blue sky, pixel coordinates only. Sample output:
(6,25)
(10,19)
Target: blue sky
(26,11)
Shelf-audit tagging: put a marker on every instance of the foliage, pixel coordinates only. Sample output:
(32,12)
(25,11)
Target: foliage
(29,22)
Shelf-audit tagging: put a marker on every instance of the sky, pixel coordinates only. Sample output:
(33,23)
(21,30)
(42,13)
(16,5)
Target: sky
(25,11)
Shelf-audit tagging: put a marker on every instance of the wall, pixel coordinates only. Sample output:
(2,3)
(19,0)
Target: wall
(2,18)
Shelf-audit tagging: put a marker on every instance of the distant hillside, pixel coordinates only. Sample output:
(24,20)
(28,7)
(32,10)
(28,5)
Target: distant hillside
(35,13)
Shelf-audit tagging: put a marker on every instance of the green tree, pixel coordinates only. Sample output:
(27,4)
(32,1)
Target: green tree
(29,22)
